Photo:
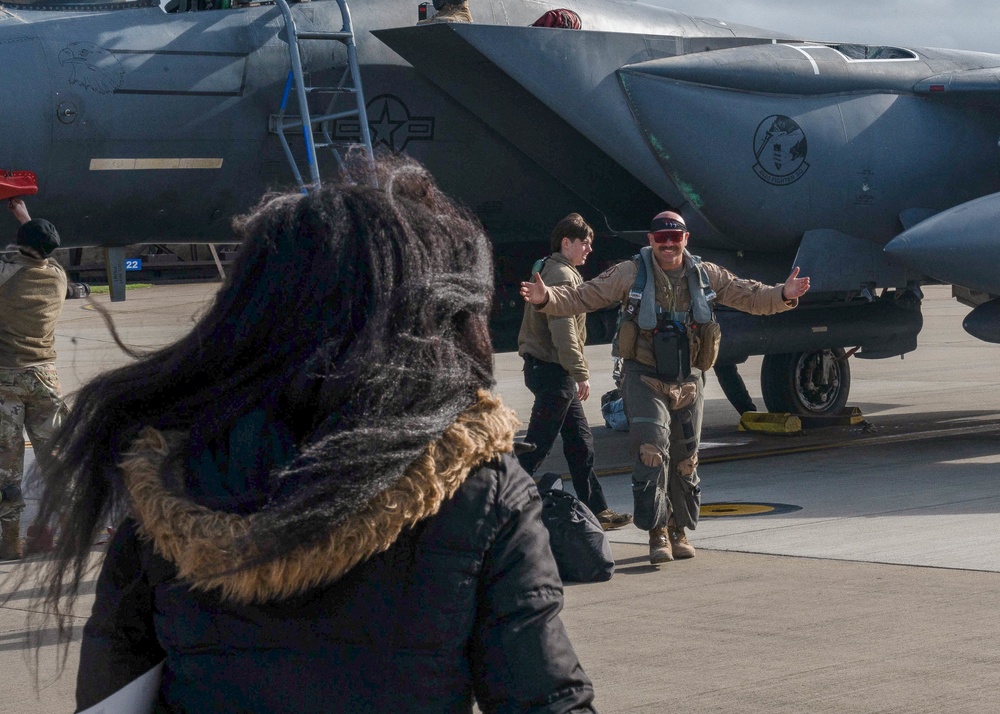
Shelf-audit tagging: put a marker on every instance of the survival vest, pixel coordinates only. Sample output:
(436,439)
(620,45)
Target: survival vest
(641,304)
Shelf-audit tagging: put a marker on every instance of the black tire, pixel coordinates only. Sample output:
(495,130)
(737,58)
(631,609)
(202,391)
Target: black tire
(806,383)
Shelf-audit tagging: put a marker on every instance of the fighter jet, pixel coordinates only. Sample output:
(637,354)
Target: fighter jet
(155,125)
(783,152)
(127,112)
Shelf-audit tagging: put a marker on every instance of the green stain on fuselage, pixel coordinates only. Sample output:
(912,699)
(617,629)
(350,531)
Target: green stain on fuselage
(683,186)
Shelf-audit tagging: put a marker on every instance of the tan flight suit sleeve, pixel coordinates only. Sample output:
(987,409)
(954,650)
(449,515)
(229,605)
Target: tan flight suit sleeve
(568,333)
(746,295)
(609,288)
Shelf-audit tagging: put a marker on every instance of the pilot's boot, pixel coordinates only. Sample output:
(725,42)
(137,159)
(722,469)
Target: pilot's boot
(679,545)
(659,547)
(11,547)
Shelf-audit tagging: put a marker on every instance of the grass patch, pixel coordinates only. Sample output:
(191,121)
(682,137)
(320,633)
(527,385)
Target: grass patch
(105,289)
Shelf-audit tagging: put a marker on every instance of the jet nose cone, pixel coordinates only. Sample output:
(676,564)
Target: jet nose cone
(904,248)
(983,323)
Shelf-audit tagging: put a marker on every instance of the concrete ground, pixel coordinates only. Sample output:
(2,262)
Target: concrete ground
(867,582)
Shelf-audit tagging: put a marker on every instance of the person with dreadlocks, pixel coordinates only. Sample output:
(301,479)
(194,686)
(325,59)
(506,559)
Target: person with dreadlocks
(323,508)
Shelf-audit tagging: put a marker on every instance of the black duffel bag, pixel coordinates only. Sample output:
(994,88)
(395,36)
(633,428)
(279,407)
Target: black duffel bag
(579,544)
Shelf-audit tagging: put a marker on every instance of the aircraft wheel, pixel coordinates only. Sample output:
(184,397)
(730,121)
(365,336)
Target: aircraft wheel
(806,383)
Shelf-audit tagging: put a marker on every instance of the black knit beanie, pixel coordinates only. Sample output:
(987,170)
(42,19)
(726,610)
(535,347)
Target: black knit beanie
(40,235)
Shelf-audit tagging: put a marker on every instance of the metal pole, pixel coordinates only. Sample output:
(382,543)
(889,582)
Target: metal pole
(293,51)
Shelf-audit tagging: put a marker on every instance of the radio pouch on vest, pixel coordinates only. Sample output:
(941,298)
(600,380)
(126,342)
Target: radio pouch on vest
(641,311)
(642,293)
(706,328)
(672,351)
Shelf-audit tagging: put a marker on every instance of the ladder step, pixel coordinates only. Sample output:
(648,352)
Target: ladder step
(307,124)
(340,36)
(336,115)
(278,123)
(332,90)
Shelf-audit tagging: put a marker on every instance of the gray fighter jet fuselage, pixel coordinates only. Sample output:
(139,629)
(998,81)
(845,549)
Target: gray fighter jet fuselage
(152,127)
(134,113)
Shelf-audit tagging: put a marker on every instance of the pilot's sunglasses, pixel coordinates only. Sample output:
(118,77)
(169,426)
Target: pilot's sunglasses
(670,236)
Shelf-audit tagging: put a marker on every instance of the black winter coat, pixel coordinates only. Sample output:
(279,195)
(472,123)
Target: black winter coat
(461,604)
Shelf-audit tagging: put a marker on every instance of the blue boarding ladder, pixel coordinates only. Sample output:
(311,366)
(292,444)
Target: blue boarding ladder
(349,85)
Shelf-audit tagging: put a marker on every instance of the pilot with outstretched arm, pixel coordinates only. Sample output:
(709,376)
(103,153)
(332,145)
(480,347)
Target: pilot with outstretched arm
(667,337)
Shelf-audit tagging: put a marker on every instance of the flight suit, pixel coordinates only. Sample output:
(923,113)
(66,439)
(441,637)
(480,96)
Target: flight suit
(665,416)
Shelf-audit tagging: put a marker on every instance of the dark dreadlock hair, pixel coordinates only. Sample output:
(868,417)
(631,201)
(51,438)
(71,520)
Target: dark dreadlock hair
(356,315)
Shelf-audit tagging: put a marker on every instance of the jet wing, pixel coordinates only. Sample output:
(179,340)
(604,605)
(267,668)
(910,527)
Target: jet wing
(556,96)
(684,119)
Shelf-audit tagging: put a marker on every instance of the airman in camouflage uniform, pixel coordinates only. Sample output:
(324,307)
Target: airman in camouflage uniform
(32,292)
(30,400)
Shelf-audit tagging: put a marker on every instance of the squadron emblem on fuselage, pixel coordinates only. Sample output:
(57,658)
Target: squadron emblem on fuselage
(780,147)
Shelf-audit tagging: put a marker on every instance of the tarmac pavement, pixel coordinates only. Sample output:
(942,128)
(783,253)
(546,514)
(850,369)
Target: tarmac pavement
(866,579)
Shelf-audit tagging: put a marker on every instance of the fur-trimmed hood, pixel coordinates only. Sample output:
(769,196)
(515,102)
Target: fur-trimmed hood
(202,543)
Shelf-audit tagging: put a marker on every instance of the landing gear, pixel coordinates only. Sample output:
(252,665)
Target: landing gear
(806,383)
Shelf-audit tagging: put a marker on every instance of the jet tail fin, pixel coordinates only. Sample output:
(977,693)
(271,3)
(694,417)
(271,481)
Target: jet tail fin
(477,66)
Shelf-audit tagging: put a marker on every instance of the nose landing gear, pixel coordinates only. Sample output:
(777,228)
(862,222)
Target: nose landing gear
(806,383)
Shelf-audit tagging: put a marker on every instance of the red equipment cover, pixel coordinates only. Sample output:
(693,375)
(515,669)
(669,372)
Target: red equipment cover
(17,183)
